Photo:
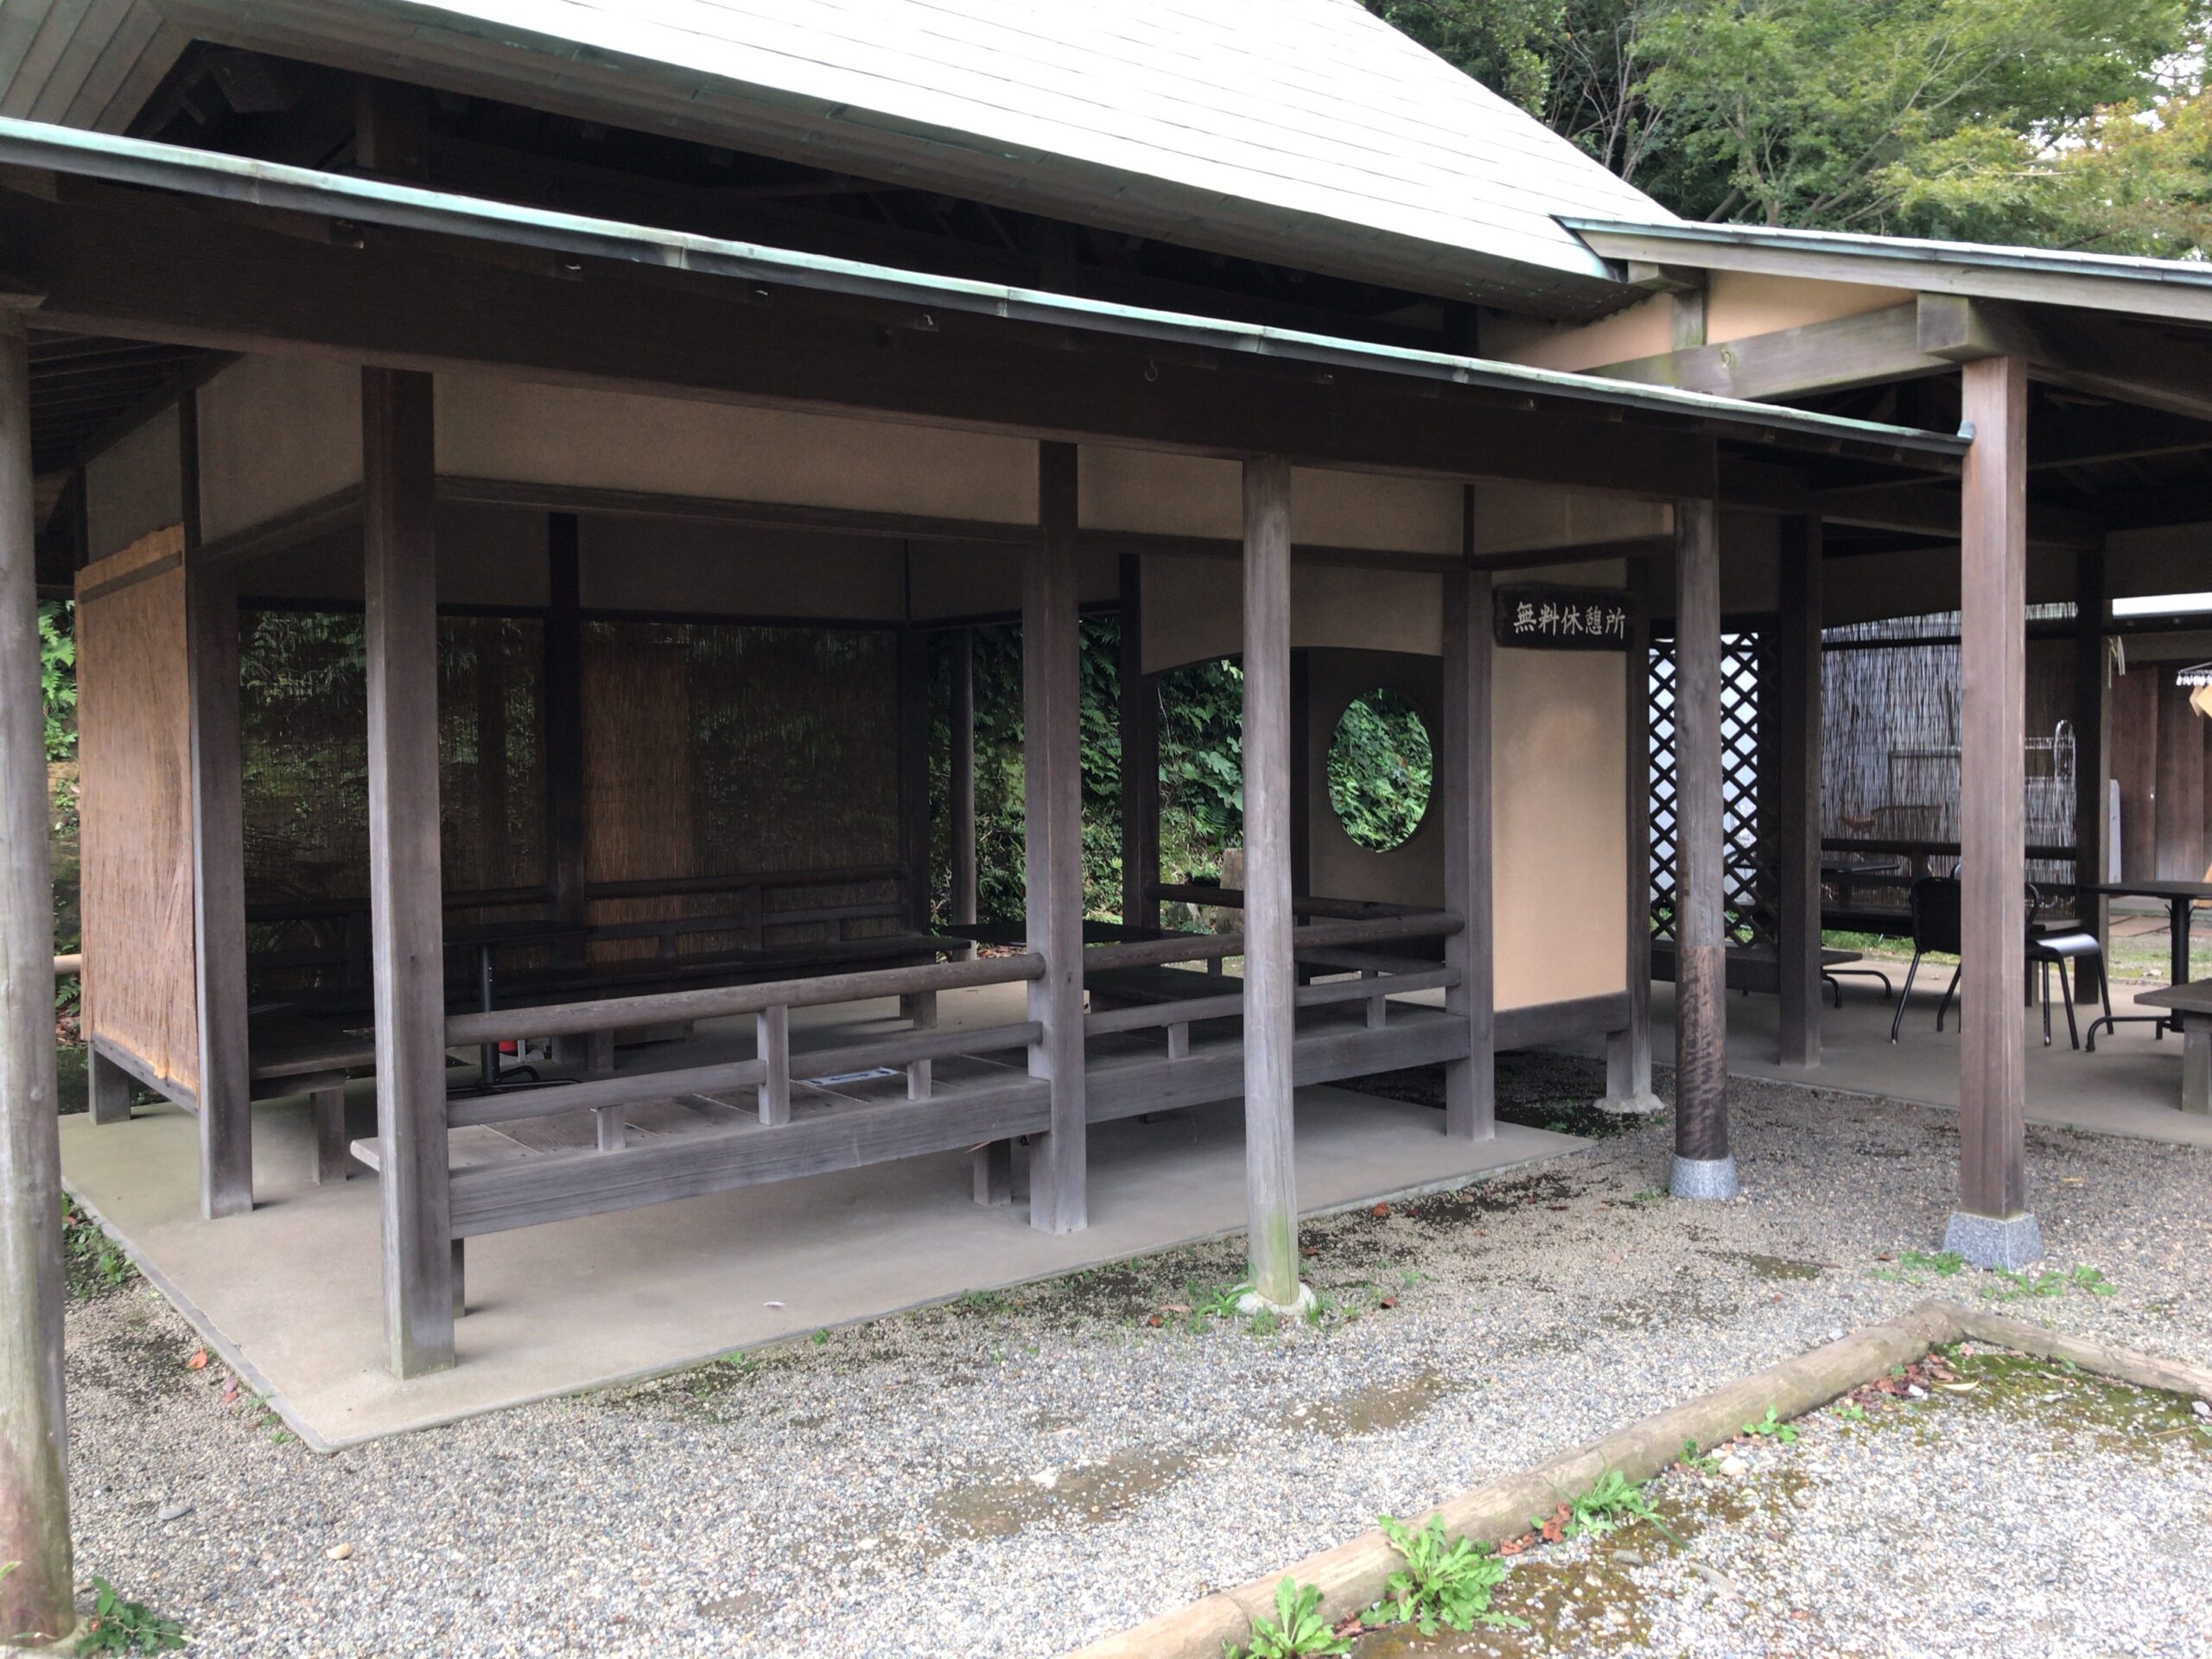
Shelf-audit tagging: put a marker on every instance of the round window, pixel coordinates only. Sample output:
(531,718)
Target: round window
(1379,771)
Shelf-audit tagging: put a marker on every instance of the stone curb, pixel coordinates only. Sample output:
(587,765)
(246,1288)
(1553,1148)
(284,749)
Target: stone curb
(1351,1577)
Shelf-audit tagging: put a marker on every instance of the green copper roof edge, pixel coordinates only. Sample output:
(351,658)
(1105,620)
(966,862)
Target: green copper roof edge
(2121,267)
(140,162)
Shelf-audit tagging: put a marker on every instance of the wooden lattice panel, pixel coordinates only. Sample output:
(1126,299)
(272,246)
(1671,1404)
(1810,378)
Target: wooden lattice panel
(1750,864)
(134,745)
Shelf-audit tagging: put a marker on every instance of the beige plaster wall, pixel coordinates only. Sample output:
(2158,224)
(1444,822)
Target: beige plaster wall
(1194,609)
(136,487)
(983,579)
(615,441)
(1521,517)
(1740,304)
(487,555)
(659,564)
(1195,495)
(1644,329)
(276,433)
(1559,817)
(1413,873)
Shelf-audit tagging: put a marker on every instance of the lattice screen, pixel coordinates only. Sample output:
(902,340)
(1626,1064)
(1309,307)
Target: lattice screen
(1749,865)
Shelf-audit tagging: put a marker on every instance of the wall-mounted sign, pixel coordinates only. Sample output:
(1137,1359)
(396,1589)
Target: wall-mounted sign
(1548,617)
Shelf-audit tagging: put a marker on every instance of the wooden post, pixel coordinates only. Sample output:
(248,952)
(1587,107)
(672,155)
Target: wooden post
(2091,819)
(406,925)
(1052,841)
(1790,745)
(1703,1168)
(913,737)
(1991,1227)
(1140,715)
(36,1598)
(564,728)
(1270,969)
(1464,771)
(961,720)
(1301,773)
(211,604)
(1628,1051)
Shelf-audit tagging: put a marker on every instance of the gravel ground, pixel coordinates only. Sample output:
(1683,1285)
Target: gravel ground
(1881,1531)
(1016,1474)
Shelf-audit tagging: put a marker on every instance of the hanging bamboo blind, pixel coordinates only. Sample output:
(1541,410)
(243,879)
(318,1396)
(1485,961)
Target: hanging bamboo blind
(1889,700)
(134,758)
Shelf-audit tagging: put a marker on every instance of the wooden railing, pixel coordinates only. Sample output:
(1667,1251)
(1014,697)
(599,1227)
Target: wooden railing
(772,1069)
(1210,947)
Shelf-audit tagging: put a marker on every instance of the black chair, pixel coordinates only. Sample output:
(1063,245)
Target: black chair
(2055,945)
(1936,903)
(1937,925)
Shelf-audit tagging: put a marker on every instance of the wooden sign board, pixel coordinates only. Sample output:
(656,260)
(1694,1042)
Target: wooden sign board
(1544,616)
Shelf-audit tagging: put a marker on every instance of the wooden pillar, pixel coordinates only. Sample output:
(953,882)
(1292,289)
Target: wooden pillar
(913,718)
(1791,746)
(1628,1051)
(2092,818)
(961,720)
(1464,772)
(491,765)
(406,922)
(36,1600)
(1302,772)
(1052,841)
(564,728)
(1139,716)
(211,604)
(1991,1227)
(1704,1167)
(1270,970)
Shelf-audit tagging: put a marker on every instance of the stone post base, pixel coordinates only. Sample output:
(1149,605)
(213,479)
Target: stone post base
(1992,1242)
(1703,1178)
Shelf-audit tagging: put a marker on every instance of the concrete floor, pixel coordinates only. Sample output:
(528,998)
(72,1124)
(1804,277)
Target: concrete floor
(288,1295)
(2131,1085)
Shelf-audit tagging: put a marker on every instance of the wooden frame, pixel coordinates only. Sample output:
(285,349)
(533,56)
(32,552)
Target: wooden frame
(1700,936)
(1791,736)
(1464,756)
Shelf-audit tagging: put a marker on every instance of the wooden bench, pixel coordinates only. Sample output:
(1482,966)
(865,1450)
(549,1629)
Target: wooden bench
(294,1057)
(2192,1005)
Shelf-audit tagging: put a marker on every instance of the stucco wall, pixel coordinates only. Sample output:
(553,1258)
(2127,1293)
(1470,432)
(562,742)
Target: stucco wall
(136,488)
(1194,495)
(1194,609)
(275,434)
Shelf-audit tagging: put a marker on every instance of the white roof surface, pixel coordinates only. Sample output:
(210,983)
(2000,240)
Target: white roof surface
(1306,131)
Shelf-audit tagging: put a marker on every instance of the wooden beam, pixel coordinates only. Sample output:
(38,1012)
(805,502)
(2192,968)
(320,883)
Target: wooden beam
(1628,1049)
(1139,708)
(1789,741)
(227,284)
(1991,1227)
(960,719)
(2092,608)
(564,728)
(217,785)
(1052,841)
(1934,510)
(407,919)
(914,779)
(2160,366)
(1703,1166)
(1270,968)
(1464,771)
(1814,357)
(36,1591)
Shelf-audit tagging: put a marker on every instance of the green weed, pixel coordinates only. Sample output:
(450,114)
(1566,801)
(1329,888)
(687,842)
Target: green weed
(1296,1631)
(120,1626)
(96,1259)
(1694,1459)
(1441,1583)
(1773,1428)
(1614,1501)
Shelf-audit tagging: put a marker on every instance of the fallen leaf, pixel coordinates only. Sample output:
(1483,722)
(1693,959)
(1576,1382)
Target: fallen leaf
(1960,1388)
(1388,1301)
(198,1361)
(1174,1308)
(1154,1319)
(1309,1250)
(231,1395)
(1380,1210)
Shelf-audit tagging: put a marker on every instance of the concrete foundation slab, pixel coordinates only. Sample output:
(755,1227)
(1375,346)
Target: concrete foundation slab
(288,1294)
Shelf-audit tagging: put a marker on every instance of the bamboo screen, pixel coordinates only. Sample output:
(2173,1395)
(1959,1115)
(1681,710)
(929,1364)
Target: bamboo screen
(1889,740)
(304,719)
(715,752)
(134,755)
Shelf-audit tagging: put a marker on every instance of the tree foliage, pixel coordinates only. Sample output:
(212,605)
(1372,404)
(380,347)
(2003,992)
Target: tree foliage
(57,666)
(2067,122)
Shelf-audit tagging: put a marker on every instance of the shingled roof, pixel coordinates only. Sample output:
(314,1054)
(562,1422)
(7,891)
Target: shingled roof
(1306,132)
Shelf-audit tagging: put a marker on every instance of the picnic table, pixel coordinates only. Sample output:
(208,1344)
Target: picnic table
(2192,1011)
(2179,897)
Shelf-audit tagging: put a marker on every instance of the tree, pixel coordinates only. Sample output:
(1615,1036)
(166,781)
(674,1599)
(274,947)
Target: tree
(2072,123)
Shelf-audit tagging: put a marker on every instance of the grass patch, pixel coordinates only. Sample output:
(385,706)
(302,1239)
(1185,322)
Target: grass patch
(120,1626)
(93,1263)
